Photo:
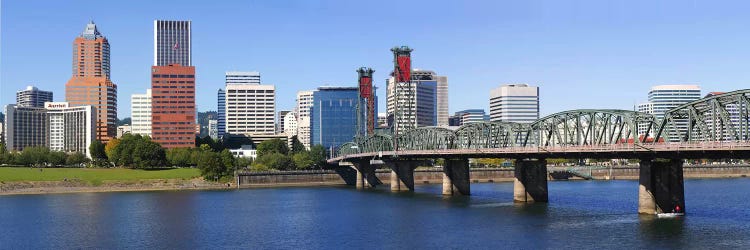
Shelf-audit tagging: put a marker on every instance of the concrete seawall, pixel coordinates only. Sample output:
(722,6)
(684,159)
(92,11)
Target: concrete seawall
(434,176)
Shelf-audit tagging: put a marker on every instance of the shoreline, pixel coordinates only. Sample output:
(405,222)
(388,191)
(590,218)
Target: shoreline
(70,187)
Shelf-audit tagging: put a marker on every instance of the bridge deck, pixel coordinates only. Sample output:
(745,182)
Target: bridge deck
(707,150)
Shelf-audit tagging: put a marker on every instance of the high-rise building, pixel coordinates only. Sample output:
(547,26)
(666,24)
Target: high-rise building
(91,84)
(242,77)
(71,129)
(290,125)
(424,96)
(333,116)
(662,98)
(382,120)
(221,127)
(25,127)
(514,103)
(32,97)
(281,123)
(467,117)
(173,121)
(140,113)
(442,100)
(172,43)
(57,125)
(213,131)
(250,109)
(304,103)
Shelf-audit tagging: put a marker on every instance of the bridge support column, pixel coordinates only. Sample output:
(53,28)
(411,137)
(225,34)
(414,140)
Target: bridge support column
(530,184)
(661,188)
(402,175)
(365,175)
(456,177)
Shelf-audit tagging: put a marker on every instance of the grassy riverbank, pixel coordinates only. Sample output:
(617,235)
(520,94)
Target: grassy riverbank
(93,175)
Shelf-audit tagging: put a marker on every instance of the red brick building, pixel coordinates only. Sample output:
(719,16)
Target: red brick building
(173,105)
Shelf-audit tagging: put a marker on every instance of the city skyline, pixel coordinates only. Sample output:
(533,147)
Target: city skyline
(615,55)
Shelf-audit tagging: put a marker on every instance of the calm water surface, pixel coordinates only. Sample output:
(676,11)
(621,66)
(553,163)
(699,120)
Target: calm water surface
(581,214)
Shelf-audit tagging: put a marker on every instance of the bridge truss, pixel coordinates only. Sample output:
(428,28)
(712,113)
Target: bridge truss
(719,118)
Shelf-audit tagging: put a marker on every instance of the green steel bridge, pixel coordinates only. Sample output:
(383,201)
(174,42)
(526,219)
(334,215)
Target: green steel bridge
(715,127)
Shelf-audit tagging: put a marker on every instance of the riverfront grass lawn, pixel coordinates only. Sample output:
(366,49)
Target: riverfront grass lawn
(93,175)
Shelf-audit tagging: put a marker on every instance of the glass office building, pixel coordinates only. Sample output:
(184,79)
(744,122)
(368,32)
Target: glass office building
(333,116)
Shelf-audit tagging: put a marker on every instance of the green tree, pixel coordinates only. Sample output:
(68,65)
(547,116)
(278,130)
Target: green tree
(243,162)
(97,150)
(297,145)
(274,160)
(211,166)
(76,159)
(318,155)
(138,151)
(36,156)
(56,158)
(272,146)
(5,156)
(303,160)
(180,157)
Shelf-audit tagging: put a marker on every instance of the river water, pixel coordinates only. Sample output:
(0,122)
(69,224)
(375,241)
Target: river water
(580,214)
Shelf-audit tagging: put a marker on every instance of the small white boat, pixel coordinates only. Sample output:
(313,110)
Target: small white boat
(669,215)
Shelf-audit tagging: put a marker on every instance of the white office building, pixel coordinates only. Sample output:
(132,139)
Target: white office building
(514,103)
(242,77)
(422,103)
(213,129)
(71,129)
(250,109)
(663,98)
(140,113)
(58,126)
(33,97)
(304,103)
(290,124)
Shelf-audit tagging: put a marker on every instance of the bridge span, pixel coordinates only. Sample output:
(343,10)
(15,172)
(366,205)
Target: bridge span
(717,127)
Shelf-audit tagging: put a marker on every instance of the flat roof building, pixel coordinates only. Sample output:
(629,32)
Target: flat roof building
(173,121)
(514,103)
(33,97)
(140,113)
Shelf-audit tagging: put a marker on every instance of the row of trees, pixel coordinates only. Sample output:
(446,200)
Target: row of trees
(41,157)
(276,155)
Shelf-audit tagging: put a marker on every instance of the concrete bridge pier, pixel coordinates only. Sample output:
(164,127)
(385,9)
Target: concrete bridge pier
(661,188)
(365,175)
(456,177)
(402,175)
(530,184)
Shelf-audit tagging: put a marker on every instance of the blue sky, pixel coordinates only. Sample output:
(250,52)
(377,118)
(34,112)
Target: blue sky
(582,54)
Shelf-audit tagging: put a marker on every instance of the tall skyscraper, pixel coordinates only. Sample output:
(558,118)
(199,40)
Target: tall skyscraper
(425,97)
(140,113)
(334,116)
(221,127)
(250,109)
(173,106)
(662,98)
(32,97)
(514,103)
(304,103)
(91,84)
(172,43)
